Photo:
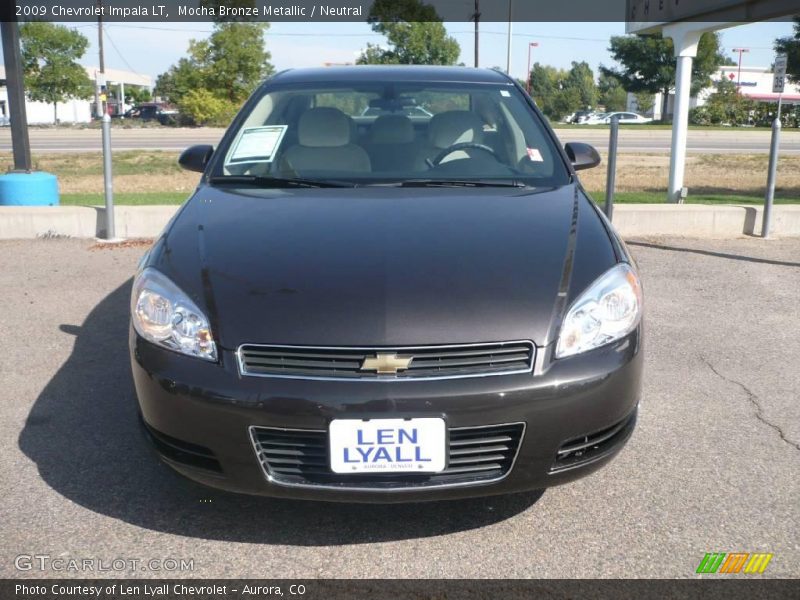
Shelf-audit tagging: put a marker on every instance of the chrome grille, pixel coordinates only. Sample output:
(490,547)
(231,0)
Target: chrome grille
(428,362)
(301,458)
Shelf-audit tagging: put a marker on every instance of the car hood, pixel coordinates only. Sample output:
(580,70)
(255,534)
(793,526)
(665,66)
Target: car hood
(374,266)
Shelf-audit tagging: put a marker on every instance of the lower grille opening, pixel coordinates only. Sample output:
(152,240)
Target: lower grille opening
(182,452)
(301,457)
(588,448)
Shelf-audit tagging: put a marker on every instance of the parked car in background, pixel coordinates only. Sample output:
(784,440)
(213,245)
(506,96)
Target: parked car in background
(152,111)
(392,312)
(625,118)
(579,116)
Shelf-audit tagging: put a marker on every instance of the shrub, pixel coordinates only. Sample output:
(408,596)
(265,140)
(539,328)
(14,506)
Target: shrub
(202,107)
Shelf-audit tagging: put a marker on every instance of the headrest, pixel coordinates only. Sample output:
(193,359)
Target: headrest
(454,127)
(392,129)
(323,127)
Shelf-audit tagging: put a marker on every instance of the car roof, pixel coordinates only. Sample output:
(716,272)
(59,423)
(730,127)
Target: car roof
(404,73)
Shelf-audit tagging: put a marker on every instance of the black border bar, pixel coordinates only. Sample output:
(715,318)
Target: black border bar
(640,11)
(728,588)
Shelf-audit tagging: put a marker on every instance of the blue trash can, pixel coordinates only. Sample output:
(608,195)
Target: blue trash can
(29,189)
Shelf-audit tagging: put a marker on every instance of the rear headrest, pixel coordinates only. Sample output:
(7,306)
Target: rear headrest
(392,129)
(323,127)
(454,127)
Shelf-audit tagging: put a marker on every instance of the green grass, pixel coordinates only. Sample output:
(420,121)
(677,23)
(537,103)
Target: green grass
(651,126)
(661,197)
(128,199)
(84,164)
(173,198)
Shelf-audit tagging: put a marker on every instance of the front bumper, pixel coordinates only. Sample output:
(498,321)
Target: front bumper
(199,416)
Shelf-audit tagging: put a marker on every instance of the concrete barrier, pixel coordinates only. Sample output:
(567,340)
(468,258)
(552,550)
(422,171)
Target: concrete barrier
(82,221)
(703,220)
(695,220)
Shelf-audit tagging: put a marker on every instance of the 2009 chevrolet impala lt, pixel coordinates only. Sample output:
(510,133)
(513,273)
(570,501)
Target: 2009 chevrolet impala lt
(389,285)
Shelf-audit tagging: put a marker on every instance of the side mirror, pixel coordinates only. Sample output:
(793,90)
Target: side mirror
(195,158)
(582,156)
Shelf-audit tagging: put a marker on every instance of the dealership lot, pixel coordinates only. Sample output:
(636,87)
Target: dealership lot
(714,465)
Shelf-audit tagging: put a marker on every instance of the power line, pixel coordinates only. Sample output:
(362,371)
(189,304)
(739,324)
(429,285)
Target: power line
(121,56)
(268,34)
(366,34)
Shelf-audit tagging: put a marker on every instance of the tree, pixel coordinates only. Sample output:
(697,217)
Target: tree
(49,54)
(558,92)
(233,60)
(726,106)
(644,102)
(179,80)
(581,79)
(414,32)
(610,94)
(203,108)
(790,46)
(137,94)
(648,63)
(229,65)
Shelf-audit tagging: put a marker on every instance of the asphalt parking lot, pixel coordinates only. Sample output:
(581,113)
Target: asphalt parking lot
(714,465)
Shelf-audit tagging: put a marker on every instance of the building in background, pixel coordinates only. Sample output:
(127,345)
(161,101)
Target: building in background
(755,83)
(78,111)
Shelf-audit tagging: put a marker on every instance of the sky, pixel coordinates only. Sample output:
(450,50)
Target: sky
(150,48)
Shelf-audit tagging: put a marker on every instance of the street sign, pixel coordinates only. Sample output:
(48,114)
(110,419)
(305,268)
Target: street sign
(779,77)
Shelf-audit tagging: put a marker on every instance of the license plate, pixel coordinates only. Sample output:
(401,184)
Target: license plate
(388,445)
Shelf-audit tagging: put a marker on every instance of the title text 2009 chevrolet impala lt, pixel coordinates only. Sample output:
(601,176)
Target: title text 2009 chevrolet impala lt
(388,286)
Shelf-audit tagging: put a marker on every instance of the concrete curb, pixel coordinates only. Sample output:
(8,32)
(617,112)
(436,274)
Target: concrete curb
(704,220)
(696,220)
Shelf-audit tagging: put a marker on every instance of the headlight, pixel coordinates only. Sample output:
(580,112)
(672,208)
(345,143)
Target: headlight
(609,309)
(163,314)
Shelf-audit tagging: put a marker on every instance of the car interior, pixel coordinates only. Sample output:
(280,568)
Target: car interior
(399,134)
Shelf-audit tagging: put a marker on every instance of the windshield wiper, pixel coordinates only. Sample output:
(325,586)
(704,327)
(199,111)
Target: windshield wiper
(512,183)
(279,182)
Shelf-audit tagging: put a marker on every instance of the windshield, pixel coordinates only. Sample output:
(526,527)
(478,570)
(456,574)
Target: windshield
(388,132)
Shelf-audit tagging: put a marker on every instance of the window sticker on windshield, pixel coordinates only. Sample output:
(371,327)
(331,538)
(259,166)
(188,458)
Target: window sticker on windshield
(535,155)
(505,93)
(258,144)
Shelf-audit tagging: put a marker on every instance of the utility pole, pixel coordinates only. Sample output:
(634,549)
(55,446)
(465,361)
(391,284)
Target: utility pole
(100,78)
(16,96)
(508,49)
(476,16)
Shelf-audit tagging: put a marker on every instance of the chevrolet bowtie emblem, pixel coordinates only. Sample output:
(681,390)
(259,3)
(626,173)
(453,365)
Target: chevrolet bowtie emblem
(386,363)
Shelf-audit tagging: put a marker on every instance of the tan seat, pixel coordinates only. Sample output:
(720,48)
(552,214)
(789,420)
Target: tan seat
(449,128)
(391,145)
(324,136)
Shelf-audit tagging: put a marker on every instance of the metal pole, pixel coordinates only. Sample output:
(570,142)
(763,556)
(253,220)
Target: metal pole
(766,224)
(528,77)
(101,105)
(16,97)
(680,124)
(611,176)
(107,178)
(508,49)
(739,71)
(477,21)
